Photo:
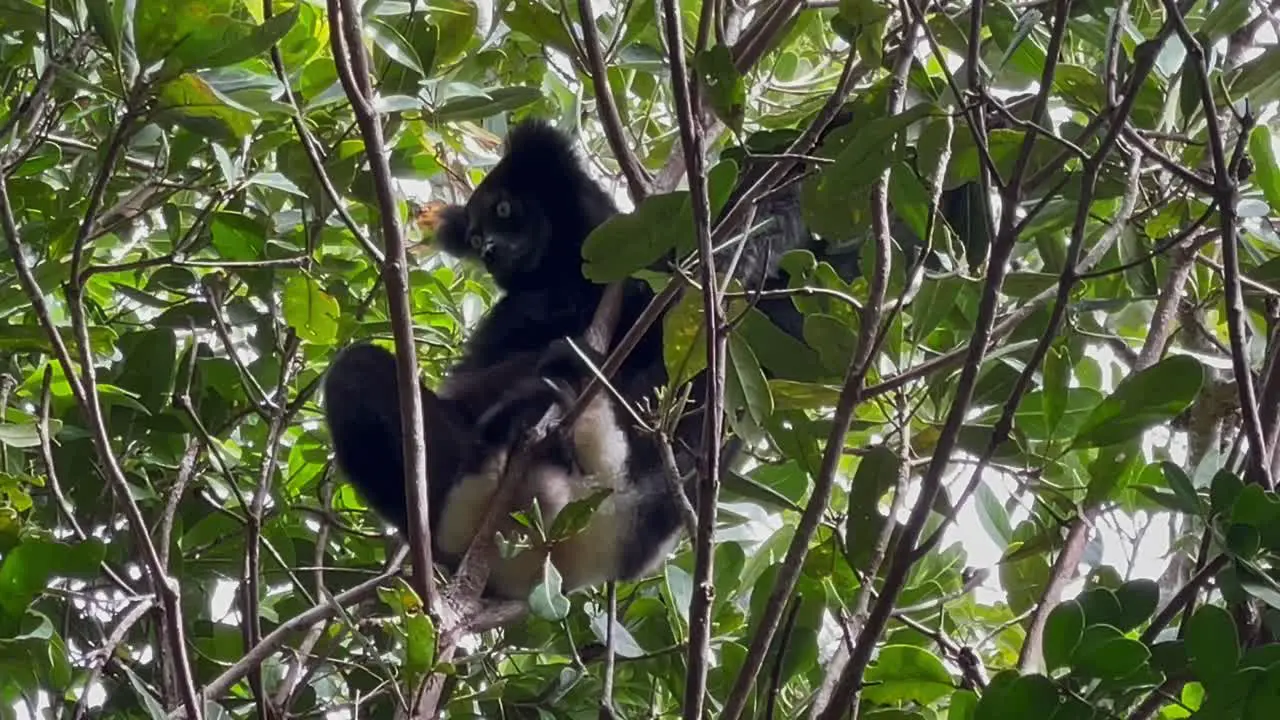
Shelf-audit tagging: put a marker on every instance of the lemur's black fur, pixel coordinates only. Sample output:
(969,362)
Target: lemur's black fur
(526,223)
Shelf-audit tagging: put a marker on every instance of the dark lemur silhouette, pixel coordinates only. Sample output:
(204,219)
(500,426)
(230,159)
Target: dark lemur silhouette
(526,223)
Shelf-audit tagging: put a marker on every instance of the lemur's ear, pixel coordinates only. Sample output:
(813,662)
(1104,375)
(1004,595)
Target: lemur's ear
(449,223)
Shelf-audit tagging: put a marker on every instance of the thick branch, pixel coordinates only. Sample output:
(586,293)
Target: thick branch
(353,71)
(1227,194)
(691,141)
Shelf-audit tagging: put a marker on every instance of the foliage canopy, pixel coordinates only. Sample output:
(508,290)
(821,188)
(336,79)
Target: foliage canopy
(1064,337)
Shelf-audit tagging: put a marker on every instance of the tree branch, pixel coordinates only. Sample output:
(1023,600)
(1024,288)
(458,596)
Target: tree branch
(349,56)
(638,180)
(1227,195)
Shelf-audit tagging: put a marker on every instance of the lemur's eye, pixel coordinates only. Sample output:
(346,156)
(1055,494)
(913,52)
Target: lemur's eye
(476,241)
(503,209)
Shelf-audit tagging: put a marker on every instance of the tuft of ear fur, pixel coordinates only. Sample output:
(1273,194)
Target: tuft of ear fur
(451,232)
(535,143)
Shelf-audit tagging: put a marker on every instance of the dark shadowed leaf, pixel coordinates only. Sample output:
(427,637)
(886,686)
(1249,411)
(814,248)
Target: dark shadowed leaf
(1101,606)
(1138,600)
(27,569)
(1104,652)
(1062,633)
(1224,490)
(1212,647)
(877,472)
(1017,697)
(493,102)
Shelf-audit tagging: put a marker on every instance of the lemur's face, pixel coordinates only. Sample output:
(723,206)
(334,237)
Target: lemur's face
(507,232)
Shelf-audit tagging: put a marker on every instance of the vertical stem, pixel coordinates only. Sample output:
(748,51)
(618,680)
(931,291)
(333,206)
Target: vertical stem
(708,490)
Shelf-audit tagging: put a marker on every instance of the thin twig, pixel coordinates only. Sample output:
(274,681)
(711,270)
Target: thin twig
(638,180)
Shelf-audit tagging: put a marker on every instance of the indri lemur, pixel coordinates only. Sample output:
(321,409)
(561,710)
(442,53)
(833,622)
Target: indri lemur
(526,222)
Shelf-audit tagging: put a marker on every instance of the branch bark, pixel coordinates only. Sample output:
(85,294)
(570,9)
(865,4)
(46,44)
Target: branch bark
(349,56)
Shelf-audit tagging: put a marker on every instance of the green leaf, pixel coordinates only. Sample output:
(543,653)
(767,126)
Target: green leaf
(1023,579)
(721,182)
(1259,509)
(251,41)
(1138,600)
(993,516)
(935,301)
(1104,652)
(1224,490)
(1142,400)
(540,23)
(575,515)
(904,673)
(491,102)
(1111,471)
(458,22)
(396,47)
(684,342)
(103,21)
(1057,381)
(238,237)
(1012,696)
(33,338)
(547,601)
(829,198)
(1181,486)
(193,103)
(21,435)
(628,242)
(420,643)
(792,395)
(747,375)
(310,311)
(781,354)
(1062,633)
(1212,647)
(1101,606)
(833,338)
(28,568)
(150,366)
(1225,18)
(1259,79)
(213,35)
(963,705)
(1266,171)
(877,472)
(725,86)
(153,706)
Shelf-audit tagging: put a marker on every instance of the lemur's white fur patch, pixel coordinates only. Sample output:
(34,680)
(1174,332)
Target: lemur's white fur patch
(590,557)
